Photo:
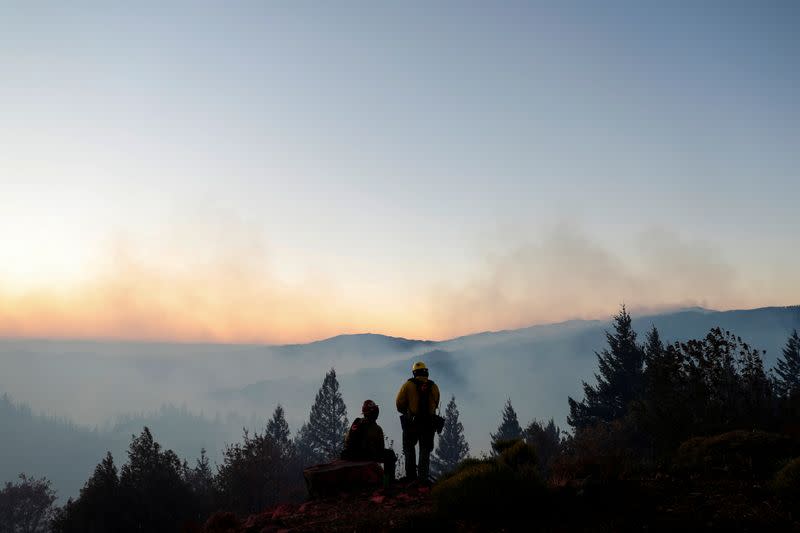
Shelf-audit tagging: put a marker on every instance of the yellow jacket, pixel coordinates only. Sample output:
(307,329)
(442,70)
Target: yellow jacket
(408,397)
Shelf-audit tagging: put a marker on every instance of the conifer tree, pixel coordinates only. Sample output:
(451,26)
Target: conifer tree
(546,439)
(201,483)
(152,485)
(663,412)
(304,449)
(453,447)
(509,428)
(252,476)
(327,422)
(787,370)
(278,431)
(619,381)
(97,507)
(653,347)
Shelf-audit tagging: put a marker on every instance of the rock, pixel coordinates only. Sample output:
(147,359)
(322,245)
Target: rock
(283,510)
(342,476)
(222,522)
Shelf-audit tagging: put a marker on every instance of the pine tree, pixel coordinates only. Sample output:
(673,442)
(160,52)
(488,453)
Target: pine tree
(201,482)
(278,431)
(653,347)
(787,371)
(327,422)
(202,475)
(98,506)
(453,447)
(304,449)
(663,412)
(509,428)
(546,439)
(619,381)
(153,486)
(252,475)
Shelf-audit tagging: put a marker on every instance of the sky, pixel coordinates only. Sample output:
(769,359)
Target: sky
(287,171)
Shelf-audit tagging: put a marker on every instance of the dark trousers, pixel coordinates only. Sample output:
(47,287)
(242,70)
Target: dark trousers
(387,457)
(389,464)
(411,437)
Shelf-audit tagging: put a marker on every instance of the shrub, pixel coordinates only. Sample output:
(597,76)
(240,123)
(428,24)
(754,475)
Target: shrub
(520,457)
(604,452)
(465,464)
(735,454)
(498,490)
(787,482)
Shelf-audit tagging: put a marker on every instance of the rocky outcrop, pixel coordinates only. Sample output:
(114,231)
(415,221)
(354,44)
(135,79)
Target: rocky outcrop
(342,476)
(399,506)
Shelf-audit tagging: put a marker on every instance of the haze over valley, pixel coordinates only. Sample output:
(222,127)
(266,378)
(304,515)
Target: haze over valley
(197,396)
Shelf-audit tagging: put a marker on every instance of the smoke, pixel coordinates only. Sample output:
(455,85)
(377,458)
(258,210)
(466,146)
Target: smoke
(216,281)
(195,282)
(567,275)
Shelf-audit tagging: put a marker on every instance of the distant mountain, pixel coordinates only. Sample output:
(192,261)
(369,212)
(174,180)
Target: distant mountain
(536,367)
(359,345)
(94,383)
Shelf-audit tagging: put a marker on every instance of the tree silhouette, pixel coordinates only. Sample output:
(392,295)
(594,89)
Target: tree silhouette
(98,506)
(304,448)
(152,485)
(619,380)
(546,439)
(250,477)
(452,447)
(653,346)
(787,369)
(327,422)
(201,483)
(509,428)
(278,431)
(663,411)
(26,506)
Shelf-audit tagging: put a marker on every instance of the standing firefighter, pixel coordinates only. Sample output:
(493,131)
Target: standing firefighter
(417,403)
(364,441)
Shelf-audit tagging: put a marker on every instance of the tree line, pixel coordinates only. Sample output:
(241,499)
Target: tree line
(647,399)
(660,394)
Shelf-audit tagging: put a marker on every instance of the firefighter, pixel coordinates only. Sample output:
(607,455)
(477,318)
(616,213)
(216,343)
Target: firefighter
(417,402)
(364,441)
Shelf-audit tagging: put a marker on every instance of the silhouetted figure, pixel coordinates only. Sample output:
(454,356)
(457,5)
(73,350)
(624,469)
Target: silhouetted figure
(417,403)
(364,441)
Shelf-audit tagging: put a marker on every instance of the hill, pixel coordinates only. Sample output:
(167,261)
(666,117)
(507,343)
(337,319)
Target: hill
(100,384)
(537,367)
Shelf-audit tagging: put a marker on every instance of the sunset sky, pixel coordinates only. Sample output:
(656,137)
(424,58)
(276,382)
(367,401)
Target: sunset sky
(288,171)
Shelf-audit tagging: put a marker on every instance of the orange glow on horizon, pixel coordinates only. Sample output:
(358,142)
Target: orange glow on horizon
(230,297)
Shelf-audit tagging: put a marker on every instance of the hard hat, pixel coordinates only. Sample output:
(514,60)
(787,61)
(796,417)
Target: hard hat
(370,408)
(419,365)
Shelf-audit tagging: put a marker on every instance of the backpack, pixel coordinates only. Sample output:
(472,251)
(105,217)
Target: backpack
(424,416)
(354,444)
(424,394)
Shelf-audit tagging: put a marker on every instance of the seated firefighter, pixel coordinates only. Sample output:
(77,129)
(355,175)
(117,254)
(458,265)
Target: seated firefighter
(364,441)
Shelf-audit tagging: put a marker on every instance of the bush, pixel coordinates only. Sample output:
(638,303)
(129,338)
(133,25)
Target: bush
(520,457)
(465,464)
(787,482)
(605,451)
(735,454)
(496,490)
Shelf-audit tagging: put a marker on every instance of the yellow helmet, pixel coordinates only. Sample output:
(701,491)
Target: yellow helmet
(419,365)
